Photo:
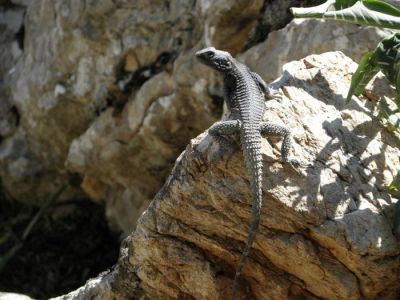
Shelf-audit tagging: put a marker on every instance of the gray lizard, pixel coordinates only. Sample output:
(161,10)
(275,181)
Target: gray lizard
(245,92)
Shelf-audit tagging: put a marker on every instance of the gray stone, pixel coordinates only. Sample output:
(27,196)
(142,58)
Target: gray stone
(302,37)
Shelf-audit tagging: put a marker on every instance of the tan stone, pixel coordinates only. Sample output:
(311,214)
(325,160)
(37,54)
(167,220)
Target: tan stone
(325,233)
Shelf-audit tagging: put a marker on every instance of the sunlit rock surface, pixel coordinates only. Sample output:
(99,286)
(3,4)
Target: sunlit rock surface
(325,233)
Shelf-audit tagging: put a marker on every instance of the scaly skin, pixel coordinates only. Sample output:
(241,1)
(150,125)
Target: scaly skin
(244,95)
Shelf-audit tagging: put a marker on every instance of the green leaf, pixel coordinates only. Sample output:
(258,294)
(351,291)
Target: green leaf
(382,7)
(396,221)
(341,4)
(397,101)
(368,12)
(364,73)
(396,67)
(387,57)
(394,187)
(385,112)
(313,12)
(392,124)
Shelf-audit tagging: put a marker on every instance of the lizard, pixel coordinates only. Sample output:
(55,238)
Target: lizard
(244,94)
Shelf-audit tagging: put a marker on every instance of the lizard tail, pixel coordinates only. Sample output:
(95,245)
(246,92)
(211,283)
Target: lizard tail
(253,158)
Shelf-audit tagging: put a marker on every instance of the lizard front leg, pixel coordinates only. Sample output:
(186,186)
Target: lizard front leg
(272,129)
(221,129)
(268,92)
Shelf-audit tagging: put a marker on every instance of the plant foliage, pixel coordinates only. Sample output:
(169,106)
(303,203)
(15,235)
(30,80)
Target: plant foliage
(385,58)
(367,12)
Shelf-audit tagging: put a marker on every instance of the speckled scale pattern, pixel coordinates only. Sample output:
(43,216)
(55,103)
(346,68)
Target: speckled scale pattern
(248,99)
(244,95)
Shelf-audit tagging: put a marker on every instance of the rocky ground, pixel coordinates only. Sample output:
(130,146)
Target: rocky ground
(110,91)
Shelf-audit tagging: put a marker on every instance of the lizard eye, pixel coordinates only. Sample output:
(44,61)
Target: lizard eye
(210,54)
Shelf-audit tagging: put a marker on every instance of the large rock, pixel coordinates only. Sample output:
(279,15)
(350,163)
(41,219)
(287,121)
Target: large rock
(125,157)
(83,61)
(22,174)
(111,89)
(325,233)
(302,37)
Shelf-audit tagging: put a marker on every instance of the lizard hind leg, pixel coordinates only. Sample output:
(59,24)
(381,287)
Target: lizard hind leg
(219,131)
(272,129)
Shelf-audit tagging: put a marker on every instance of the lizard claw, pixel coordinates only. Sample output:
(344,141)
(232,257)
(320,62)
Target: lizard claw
(295,165)
(274,94)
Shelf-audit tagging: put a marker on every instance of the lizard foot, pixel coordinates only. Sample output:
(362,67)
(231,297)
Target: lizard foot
(274,94)
(295,165)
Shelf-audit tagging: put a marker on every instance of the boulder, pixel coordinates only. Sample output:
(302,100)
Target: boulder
(326,232)
(87,67)
(302,37)
(111,90)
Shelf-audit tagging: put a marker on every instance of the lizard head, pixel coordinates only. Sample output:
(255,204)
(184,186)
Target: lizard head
(216,59)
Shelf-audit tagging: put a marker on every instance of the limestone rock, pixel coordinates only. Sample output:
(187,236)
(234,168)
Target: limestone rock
(325,233)
(111,89)
(11,20)
(126,156)
(274,16)
(302,37)
(84,68)
(13,296)
(22,174)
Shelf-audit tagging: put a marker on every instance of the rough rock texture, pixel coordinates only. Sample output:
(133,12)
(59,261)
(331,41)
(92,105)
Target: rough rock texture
(324,234)
(126,156)
(125,159)
(274,16)
(95,87)
(22,174)
(111,89)
(302,37)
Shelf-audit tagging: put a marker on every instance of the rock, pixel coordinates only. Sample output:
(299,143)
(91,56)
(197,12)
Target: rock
(13,296)
(88,70)
(128,155)
(275,15)
(304,36)
(22,174)
(325,233)
(11,21)
(111,90)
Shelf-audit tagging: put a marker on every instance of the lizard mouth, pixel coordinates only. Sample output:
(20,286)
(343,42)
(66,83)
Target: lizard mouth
(200,55)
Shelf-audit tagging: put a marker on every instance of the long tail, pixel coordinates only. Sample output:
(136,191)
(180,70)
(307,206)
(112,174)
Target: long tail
(251,142)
